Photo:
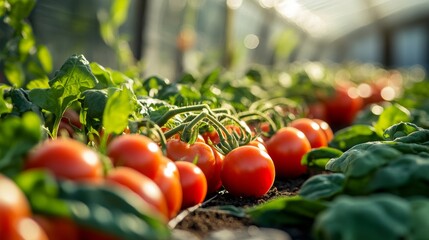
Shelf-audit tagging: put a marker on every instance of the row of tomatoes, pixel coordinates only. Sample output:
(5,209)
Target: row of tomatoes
(166,183)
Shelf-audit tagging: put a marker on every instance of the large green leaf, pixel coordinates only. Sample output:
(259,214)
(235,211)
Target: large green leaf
(420,219)
(117,111)
(318,157)
(391,115)
(286,211)
(69,82)
(371,218)
(323,186)
(348,137)
(363,159)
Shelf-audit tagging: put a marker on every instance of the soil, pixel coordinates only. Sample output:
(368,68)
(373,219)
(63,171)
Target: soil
(202,221)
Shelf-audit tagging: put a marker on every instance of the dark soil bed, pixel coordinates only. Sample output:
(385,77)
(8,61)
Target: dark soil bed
(204,220)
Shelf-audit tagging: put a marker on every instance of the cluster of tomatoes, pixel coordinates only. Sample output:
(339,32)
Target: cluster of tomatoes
(166,183)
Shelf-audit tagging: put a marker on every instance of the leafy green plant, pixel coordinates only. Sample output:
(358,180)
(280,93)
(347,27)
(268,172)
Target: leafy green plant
(21,58)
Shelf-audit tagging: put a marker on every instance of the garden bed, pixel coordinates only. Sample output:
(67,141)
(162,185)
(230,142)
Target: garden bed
(203,221)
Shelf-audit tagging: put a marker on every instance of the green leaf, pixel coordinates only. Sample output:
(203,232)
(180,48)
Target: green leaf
(44,58)
(286,211)
(318,157)
(14,73)
(348,137)
(391,115)
(118,108)
(420,221)
(17,136)
(119,12)
(371,218)
(42,191)
(38,83)
(19,10)
(362,159)
(5,106)
(103,76)
(399,173)
(400,130)
(69,82)
(323,186)
(74,76)
(22,104)
(420,137)
(110,209)
(92,107)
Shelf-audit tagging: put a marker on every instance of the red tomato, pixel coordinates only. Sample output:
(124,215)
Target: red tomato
(211,137)
(93,234)
(194,183)
(329,134)
(136,151)
(13,207)
(312,131)
(248,171)
(215,183)
(286,148)
(168,181)
(66,159)
(28,229)
(143,186)
(71,117)
(342,108)
(259,143)
(198,152)
(317,110)
(58,228)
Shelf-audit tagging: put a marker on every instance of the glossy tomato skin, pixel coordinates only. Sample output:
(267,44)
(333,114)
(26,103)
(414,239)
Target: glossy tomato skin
(312,131)
(194,184)
(13,207)
(137,152)
(28,228)
(143,186)
(198,152)
(341,108)
(286,148)
(58,228)
(215,183)
(327,130)
(69,122)
(66,159)
(248,171)
(168,181)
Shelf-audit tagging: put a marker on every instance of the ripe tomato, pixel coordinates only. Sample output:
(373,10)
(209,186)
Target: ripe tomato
(215,183)
(94,234)
(28,229)
(286,147)
(168,181)
(58,228)
(248,171)
(312,131)
(316,110)
(194,183)
(66,159)
(198,152)
(136,151)
(69,122)
(143,186)
(13,207)
(342,108)
(329,134)
(259,143)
